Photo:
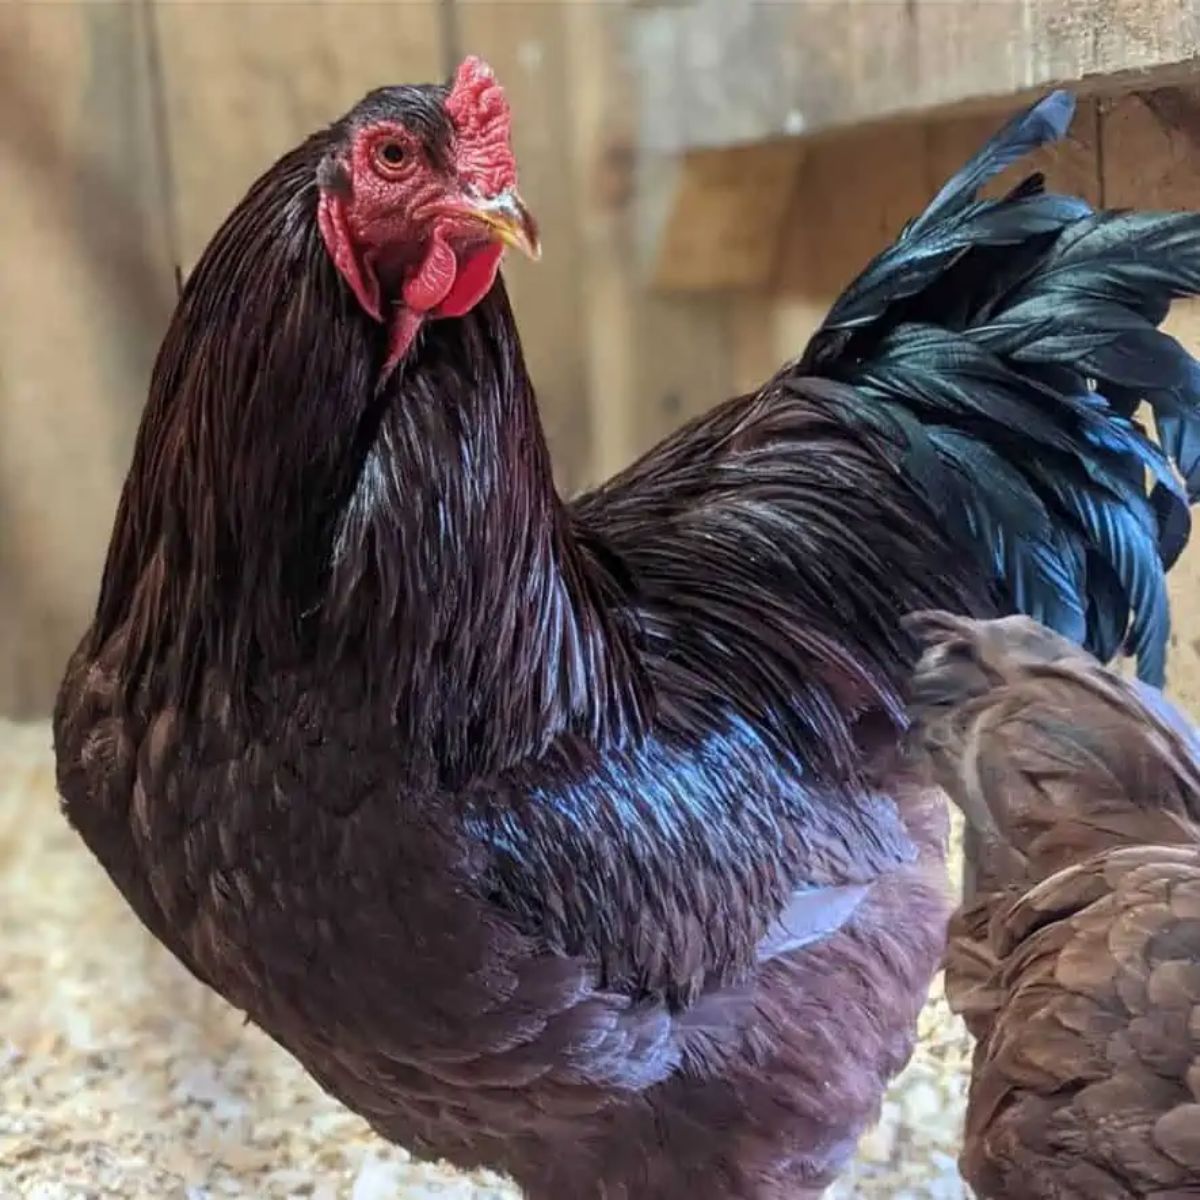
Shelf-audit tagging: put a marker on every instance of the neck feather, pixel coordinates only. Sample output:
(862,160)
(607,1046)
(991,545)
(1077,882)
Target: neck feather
(292,508)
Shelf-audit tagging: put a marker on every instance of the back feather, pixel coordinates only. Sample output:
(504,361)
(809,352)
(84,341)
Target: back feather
(1002,348)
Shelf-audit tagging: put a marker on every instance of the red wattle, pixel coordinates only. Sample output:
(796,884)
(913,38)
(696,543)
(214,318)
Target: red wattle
(473,281)
(431,283)
(405,323)
(445,285)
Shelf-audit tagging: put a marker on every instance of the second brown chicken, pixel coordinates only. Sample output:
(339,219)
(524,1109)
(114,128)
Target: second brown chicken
(1076,963)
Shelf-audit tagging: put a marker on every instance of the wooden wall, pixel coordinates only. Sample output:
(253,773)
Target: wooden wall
(128,129)
(719,74)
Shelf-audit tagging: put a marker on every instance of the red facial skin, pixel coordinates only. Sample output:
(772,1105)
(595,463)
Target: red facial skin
(402,231)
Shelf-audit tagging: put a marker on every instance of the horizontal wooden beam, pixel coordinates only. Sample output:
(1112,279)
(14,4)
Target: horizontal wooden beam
(713,74)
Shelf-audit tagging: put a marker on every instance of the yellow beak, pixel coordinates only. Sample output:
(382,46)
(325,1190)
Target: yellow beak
(509,221)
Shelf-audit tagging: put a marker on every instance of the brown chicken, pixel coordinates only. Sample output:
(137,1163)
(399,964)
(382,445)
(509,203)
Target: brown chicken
(565,836)
(1077,962)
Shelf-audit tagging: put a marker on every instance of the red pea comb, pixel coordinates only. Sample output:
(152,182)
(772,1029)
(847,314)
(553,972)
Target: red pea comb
(479,109)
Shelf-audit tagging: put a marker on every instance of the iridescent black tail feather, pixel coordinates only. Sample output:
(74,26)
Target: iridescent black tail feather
(1005,346)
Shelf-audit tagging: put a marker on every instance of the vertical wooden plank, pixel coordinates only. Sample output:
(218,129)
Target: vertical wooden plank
(85,289)
(685,362)
(602,154)
(652,360)
(1151,159)
(755,341)
(525,44)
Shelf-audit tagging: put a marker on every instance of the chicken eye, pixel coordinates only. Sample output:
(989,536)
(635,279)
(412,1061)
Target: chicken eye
(391,154)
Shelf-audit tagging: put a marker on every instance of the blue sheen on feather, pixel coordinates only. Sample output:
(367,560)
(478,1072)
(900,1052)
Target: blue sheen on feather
(1046,121)
(722,803)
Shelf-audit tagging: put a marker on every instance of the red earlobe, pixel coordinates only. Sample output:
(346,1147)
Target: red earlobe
(331,217)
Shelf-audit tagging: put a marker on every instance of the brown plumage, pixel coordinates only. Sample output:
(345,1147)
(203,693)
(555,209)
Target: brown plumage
(567,837)
(1077,963)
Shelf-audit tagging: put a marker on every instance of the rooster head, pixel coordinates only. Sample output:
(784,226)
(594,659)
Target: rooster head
(418,200)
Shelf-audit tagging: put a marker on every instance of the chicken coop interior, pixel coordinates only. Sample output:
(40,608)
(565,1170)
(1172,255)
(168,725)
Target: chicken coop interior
(707,178)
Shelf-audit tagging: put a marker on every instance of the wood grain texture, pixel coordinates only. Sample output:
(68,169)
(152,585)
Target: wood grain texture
(601,162)
(728,216)
(715,75)
(127,131)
